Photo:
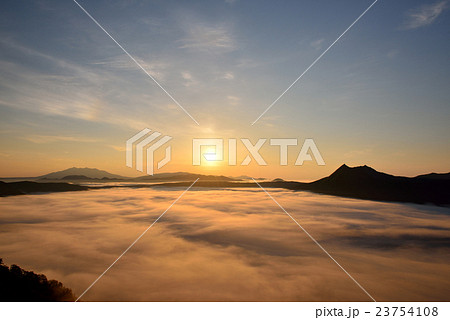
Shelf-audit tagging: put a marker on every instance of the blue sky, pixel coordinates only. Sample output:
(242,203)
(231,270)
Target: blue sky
(70,97)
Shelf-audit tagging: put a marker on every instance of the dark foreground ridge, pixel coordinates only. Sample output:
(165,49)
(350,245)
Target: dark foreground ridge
(26,187)
(21,285)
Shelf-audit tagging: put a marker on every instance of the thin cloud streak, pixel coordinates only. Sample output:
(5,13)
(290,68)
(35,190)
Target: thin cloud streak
(424,15)
(203,37)
(49,138)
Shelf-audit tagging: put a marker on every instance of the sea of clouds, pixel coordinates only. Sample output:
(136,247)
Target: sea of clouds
(229,245)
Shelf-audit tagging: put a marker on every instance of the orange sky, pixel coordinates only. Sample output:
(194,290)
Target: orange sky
(379,97)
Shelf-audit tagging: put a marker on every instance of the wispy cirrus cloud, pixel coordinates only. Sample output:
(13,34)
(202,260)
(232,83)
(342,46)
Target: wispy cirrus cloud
(57,86)
(317,44)
(424,15)
(233,100)
(188,79)
(156,68)
(57,138)
(203,37)
(228,76)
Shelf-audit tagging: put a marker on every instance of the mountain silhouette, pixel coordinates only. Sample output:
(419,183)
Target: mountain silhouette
(182,176)
(85,174)
(361,182)
(77,177)
(435,176)
(347,178)
(367,183)
(90,173)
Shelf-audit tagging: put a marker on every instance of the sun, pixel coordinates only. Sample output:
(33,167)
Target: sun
(210,158)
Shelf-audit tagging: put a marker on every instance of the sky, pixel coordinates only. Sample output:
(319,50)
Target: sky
(69,96)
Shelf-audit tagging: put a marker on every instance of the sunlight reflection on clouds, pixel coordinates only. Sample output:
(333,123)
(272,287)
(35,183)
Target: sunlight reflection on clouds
(224,245)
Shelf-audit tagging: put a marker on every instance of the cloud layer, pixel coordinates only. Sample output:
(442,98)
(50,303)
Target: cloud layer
(228,245)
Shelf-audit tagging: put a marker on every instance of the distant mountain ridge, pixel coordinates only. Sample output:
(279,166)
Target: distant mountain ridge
(343,172)
(87,172)
(182,176)
(360,182)
(435,176)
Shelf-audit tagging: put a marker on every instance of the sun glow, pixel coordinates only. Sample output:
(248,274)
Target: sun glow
(210,156)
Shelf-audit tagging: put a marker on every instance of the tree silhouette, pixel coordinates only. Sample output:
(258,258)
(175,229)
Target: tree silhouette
(17,284)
